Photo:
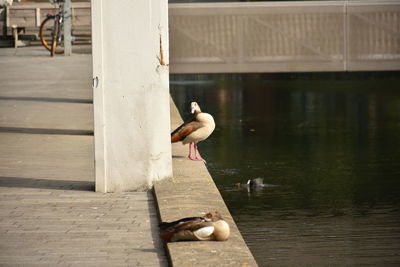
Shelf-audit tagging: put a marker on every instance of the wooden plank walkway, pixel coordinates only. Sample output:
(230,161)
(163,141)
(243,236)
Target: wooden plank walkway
(49,213)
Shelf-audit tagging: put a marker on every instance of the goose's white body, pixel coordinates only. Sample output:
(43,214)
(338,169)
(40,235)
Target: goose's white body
(207,126)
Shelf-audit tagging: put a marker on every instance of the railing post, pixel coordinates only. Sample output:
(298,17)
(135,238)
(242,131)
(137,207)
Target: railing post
(67,28)
(345,37)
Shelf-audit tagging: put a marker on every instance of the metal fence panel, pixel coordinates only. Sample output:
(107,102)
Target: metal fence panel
(373,36)
(265,36)
(284,36)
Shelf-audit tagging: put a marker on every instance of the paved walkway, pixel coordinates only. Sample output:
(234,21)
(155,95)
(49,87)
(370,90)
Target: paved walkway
(49,213)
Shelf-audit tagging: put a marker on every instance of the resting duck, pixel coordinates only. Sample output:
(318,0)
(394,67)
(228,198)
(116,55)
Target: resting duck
(195,130)
(207,228)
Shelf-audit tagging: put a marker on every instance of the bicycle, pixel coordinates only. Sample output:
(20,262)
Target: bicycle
(51,30)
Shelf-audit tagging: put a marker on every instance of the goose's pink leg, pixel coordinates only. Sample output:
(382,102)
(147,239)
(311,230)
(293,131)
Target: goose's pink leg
(197,154)
(190,151)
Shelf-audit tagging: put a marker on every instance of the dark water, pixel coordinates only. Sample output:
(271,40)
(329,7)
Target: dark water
(328,148)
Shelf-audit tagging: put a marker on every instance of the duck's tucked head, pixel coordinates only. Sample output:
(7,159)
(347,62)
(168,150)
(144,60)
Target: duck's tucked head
(194,108)
(213,216)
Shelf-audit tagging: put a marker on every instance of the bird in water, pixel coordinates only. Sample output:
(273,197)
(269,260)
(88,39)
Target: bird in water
(256,182)
(211,227)
(194,130)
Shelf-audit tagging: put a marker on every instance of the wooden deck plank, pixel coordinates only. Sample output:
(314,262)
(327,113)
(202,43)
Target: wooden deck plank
(43,156)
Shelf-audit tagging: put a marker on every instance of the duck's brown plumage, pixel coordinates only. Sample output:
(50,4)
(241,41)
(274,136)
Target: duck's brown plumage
(181,228)
(209,227)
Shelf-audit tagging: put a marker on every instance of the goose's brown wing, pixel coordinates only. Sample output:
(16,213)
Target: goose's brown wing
(184,130)
(165,225)
(168,230)
(192,118)
(192,225)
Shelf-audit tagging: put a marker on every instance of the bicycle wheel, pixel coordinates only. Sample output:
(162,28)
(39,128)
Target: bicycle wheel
(46,35)
(56,32)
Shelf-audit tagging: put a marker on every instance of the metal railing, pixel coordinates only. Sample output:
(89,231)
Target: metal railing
(268,36)
(30,16)
(285,36)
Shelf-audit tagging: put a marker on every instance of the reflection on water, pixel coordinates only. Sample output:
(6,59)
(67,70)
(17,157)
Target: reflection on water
(327,146)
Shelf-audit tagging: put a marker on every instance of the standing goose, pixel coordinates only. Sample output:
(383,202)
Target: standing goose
(207,228)
(193,131)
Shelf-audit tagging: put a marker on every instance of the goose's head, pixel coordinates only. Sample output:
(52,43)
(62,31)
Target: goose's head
(194,108)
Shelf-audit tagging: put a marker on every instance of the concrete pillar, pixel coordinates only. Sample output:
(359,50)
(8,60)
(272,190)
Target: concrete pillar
(131,94)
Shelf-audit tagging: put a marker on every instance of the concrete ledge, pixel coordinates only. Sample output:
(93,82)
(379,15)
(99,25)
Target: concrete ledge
(192,192)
